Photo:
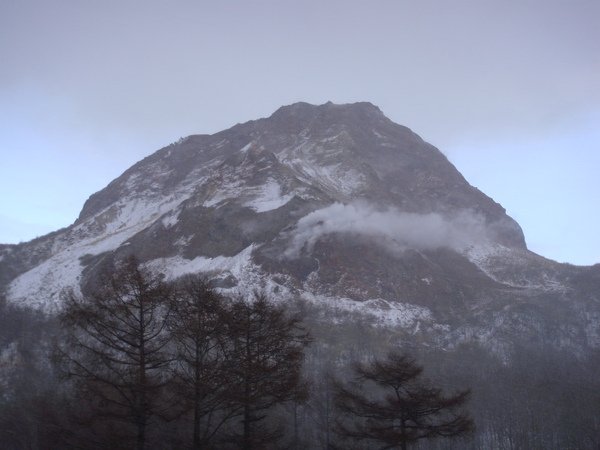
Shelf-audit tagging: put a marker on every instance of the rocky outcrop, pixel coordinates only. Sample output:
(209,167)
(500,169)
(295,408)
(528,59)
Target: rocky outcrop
(334,204)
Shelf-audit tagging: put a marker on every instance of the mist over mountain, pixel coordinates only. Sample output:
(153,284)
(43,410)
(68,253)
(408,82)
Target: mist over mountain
(332,204)
(370,232)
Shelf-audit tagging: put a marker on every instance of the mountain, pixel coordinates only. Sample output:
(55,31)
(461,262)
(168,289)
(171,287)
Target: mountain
(333,204)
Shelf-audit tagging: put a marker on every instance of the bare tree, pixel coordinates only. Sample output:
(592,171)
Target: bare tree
(400,408)
(267,352)
(115,346)
(199,329)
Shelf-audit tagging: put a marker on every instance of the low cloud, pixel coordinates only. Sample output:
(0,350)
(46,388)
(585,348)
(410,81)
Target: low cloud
(394,229)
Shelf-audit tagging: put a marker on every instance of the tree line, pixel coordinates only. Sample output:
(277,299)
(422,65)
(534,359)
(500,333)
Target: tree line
(532,396)
(144,364)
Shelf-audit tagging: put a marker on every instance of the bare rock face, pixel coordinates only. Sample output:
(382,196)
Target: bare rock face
(333,204)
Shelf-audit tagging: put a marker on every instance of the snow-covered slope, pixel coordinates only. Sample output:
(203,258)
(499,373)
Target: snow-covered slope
(331,204)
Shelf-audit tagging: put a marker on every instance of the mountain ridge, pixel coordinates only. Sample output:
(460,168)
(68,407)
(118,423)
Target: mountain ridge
(334,204)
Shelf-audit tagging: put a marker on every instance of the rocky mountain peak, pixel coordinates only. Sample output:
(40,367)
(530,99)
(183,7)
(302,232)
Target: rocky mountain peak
(329,111)
(318,119)
(336,152)
(333,204)
(279,189)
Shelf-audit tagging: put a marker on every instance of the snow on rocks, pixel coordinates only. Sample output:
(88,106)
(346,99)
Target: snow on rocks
(250,277)
(41,286)
(385,313)
(176,266)
(246,147)
(268,197)
(170,219)
(229,188)
(513,267)
(316,165)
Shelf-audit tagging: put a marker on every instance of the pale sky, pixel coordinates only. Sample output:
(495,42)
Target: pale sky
(508,90)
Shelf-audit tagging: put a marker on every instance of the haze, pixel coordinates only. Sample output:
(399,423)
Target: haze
(509,91)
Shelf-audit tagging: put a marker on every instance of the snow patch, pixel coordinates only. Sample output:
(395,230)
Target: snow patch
(183,241)
(335,137)
(226,190)
(41,286)
(246,147)
(314,164)
(379,135)
(385,313)
(334,177)
(170,219)
(269,197)
(132,181)
(513,267)
(176,266)
(221,143)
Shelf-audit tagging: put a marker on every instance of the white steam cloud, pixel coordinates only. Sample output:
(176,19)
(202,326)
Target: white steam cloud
(394,229)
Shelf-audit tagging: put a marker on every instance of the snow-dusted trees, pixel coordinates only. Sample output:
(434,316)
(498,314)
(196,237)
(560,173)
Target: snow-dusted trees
(391,406)
(115,347)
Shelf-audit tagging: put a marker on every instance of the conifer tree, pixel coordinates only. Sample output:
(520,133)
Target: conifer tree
(389,404)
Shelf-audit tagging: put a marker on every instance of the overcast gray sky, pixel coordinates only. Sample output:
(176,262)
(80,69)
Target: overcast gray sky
(508,90)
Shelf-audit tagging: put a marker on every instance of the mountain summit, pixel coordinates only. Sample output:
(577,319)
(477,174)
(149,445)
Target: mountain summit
(332,204)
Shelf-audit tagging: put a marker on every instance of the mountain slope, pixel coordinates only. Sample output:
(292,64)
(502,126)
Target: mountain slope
(334,204)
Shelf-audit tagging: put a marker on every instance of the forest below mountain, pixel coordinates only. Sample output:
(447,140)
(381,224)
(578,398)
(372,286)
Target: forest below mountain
(141,363)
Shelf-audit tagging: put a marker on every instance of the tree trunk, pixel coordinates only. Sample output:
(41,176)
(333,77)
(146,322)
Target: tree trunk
(197,401)
(403,444)
(247,442)
(141,436)
(295,425)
